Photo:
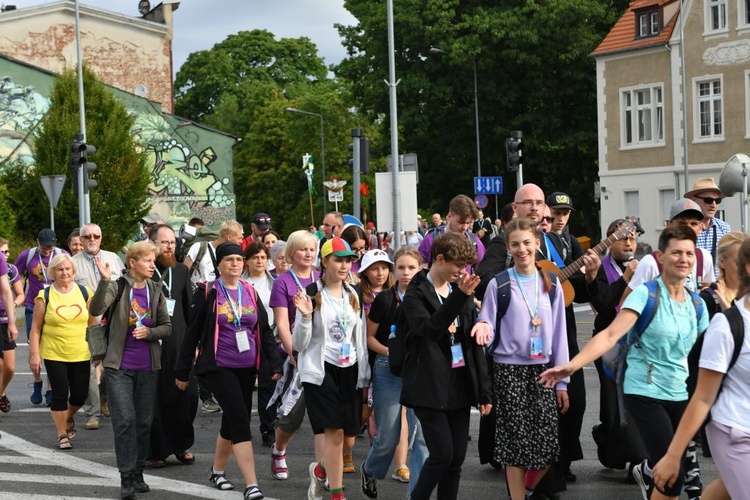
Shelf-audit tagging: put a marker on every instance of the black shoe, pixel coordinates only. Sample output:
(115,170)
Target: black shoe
(369,484)
(569,476)
(127,489)
(139,484)
(268,438)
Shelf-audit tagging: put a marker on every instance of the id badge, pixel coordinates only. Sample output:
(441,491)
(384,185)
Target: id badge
(537,348)
(457,356)
(170,307)
(243,344)
(345,352)
(46,285)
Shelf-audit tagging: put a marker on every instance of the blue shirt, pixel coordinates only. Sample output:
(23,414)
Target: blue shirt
(665,345)
(706,239)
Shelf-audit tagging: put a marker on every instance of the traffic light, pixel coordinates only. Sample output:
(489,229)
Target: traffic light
(88,167)
(76,148)
(514,151)
(360,161)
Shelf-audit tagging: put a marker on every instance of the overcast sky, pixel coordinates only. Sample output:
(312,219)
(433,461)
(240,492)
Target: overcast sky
(199,24)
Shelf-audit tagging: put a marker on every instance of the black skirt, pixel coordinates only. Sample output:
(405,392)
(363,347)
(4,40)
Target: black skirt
(336,403)
(526,434)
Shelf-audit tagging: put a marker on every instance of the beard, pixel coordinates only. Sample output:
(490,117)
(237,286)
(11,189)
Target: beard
(166,260)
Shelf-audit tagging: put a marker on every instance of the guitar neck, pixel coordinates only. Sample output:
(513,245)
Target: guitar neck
(569,270)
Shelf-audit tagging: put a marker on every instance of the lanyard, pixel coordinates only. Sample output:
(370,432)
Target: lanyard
(340,314)
(168,286)
(674,317)
(41,263)
(440,298)
(236,308)
(139,317)
(535,320)
(296,280)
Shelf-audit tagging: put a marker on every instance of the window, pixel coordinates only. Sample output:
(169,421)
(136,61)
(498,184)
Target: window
(643,116)
(666,199)
(648,24)
(743,13)
(710,109)
(716,18)
(632,203)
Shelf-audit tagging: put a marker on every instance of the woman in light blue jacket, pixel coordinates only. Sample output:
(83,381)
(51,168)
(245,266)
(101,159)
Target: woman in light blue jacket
(332,362)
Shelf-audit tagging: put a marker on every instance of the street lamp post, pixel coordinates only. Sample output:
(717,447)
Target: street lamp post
(322,150)
(435,50)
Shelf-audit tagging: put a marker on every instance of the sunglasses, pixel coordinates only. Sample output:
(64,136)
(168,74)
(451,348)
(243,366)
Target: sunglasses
(549,219)
(91,236)
(708,200)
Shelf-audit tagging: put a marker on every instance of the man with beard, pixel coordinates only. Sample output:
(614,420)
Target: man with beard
(88,275)
(172,430)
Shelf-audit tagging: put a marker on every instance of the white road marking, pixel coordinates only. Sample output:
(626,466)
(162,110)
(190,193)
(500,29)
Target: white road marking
(111,474)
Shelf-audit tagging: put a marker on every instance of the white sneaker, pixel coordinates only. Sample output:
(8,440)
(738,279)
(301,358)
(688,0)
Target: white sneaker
(315,491)
(643,479)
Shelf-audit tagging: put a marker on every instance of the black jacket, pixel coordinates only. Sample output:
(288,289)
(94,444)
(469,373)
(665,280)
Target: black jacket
(200,334)
(427,368)
(181,290)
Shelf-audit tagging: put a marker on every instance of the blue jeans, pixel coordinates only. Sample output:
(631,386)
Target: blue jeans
(132,397)
(386,393)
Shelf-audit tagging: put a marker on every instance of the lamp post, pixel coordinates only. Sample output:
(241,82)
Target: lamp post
(322,150)
(435,50)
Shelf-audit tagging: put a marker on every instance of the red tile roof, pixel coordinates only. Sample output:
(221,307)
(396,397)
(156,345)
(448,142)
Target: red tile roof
(621,37)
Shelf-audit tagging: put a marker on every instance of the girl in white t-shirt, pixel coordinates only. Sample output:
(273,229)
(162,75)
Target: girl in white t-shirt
(725,392)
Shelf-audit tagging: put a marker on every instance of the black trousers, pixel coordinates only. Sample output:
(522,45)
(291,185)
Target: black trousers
(266,386)
(446,434)
(174,413)
(233,389)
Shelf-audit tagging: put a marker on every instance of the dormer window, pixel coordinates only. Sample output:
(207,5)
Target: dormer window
(648,23)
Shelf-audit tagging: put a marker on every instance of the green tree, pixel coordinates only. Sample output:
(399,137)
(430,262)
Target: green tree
(534,74)
(119,201)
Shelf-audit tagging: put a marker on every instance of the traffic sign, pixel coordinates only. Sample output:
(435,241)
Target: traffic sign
(481,201)
(488,185)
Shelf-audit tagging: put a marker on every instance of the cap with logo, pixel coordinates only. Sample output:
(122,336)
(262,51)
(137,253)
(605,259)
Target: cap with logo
(337,247)
(559,200)
(263,221)
(47,238)
(373,256)
(687,208)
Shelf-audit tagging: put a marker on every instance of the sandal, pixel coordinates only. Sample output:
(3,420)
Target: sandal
(71,430)
(220,481)
(185,457)
(63,442)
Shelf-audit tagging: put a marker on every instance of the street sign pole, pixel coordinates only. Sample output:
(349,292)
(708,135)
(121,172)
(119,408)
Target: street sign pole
(53,187)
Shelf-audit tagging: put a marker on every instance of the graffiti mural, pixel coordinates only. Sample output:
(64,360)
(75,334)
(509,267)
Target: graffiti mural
(21,110)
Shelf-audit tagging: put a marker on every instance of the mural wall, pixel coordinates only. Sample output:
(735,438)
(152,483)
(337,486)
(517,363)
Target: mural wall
(191,165)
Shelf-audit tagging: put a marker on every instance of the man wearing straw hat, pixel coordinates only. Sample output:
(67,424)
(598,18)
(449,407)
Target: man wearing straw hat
(708,196)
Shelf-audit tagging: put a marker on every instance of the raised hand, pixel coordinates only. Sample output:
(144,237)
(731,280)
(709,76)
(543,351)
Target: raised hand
(303,303)
(468,283)
(104,271)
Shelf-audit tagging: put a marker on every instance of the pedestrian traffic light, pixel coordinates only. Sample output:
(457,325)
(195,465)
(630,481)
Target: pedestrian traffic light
(88,182)
(76,148)
(514,151)
(356,148)
(364,155)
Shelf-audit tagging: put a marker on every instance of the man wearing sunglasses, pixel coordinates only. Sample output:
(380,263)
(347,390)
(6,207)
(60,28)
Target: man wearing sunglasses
(708,196)
(88,275)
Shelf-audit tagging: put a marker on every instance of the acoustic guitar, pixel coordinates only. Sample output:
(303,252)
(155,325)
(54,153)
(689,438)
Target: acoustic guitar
(627,227)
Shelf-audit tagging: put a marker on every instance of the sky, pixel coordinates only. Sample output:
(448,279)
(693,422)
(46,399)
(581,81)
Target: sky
(201,24)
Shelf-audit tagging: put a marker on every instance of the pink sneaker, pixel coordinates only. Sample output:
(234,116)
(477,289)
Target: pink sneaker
(278,464)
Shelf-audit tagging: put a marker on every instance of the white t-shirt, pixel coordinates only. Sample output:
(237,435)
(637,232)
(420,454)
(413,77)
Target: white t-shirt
(648,270)
(334,322)
(205,270)
(733,404)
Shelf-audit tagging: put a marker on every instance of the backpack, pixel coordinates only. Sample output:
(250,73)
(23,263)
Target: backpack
(614,361)
(737,327)
(202,235)
(32,251)
(82,288)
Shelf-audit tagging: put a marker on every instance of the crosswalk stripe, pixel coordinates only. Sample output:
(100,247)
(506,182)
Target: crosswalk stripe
(61,458)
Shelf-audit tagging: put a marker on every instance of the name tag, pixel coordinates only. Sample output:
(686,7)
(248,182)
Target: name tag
(170,307)
(537,348)
(344,352)
(243,343)
(457,356)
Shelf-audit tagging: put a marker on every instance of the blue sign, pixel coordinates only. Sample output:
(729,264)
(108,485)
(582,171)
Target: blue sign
(488,185)
(481,200)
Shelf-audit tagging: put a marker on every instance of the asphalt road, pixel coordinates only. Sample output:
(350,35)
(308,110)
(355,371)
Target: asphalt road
(31,468)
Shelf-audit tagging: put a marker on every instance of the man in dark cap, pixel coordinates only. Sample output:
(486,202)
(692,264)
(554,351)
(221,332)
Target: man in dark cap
(33,262)
(259,226)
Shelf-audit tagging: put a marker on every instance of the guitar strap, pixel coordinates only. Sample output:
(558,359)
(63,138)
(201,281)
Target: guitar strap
(553,253)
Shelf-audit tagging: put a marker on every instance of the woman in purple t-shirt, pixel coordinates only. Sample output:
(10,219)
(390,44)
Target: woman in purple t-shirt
(8,346)
(230,328)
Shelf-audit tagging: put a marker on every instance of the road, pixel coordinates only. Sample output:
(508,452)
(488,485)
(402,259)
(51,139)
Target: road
(32,469)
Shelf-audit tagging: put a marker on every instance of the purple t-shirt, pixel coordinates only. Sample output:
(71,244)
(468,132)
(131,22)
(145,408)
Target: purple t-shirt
(36,271)
(425,248)
(227,354)
(284,290)
(13,277)
(137,352)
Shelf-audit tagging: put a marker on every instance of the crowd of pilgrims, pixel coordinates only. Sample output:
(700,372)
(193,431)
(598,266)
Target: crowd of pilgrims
(478,315)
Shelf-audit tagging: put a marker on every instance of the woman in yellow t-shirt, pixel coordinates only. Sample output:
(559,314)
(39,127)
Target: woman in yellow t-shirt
(61,313)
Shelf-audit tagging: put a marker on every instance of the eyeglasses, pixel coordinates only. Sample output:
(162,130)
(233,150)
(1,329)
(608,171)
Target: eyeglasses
(167,243)
(358,250)
(708,200)
(91,236)
(531,203)
(549,219)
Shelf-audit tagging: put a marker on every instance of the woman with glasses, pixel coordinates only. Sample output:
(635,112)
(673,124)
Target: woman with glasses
(8,346)
(357,239)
